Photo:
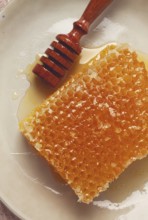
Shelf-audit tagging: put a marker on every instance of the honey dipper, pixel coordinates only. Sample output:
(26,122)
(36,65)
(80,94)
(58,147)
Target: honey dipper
(63,52)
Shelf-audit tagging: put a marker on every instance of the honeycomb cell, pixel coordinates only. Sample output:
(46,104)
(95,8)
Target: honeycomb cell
(93,127)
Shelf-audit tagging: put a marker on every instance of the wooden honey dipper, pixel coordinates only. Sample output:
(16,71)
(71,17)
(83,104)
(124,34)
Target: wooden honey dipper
(63,52)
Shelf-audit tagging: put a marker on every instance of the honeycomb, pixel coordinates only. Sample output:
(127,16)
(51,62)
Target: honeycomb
(96,125)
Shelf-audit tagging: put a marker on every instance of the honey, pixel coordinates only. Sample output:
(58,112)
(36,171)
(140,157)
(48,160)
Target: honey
(38,90)
(95,125)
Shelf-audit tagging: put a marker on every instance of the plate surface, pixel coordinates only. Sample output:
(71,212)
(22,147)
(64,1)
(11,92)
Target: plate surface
(27,185)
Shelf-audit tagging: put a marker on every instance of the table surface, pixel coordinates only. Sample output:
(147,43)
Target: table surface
(5,214)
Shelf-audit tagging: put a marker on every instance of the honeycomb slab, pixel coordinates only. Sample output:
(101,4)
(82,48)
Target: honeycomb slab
(96,124)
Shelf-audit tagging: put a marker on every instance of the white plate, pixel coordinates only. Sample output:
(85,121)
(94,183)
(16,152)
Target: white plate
(27,185)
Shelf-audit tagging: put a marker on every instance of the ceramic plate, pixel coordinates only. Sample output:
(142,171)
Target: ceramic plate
(27,185)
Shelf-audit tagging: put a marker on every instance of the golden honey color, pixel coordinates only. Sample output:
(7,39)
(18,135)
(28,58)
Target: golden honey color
(96,124)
